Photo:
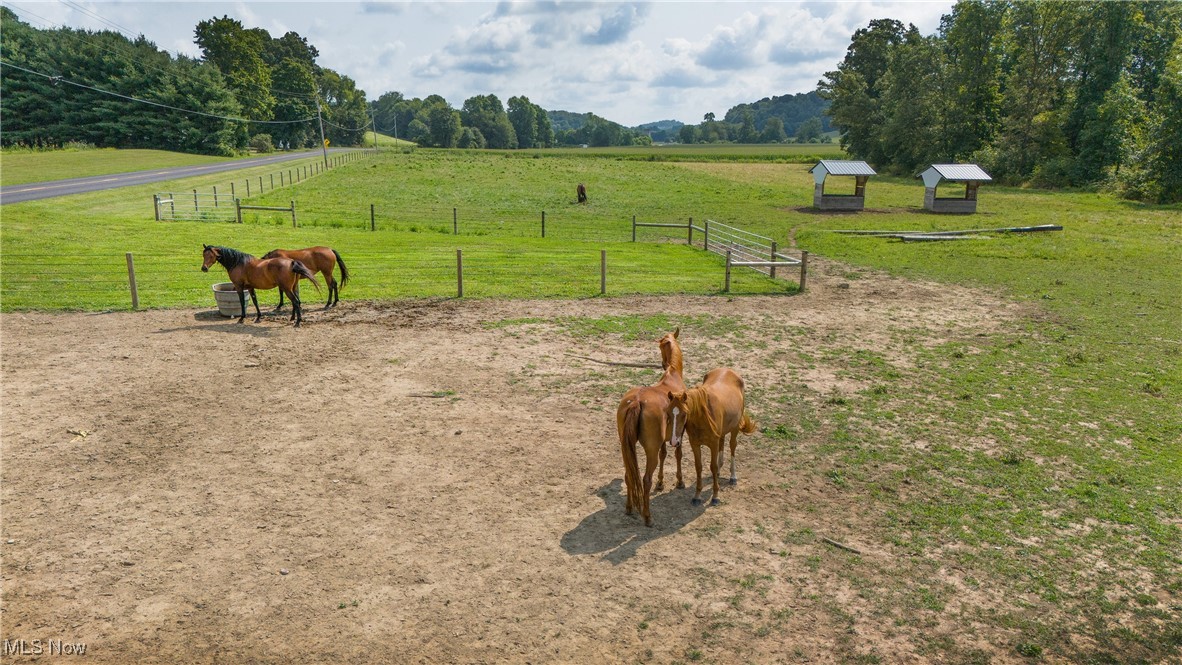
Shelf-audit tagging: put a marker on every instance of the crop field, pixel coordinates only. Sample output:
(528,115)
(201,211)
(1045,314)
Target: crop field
(968,451)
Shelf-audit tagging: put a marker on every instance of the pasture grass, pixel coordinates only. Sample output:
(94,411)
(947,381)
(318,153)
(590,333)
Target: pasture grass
(1050,470)
(18,167)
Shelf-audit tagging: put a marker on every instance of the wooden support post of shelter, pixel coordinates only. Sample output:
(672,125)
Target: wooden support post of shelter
(970,174)
(804,269)
(861,172)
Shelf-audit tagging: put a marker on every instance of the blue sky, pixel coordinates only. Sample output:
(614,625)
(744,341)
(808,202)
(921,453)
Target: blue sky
(630,62)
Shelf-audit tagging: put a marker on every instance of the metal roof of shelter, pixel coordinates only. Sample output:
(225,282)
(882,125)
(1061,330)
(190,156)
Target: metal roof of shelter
(953,172)
(844,167)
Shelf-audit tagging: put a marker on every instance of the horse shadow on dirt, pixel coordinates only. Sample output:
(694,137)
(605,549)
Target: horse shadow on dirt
(225,325)
(619,536)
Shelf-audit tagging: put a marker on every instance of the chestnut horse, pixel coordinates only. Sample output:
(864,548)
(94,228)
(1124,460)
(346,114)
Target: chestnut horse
(645,416)
(248,273)
(581,192)
(714,409)
(319,260)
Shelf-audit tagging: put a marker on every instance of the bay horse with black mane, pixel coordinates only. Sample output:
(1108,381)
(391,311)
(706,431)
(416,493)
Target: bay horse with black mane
(714,409)
(248,273)
(321,260)
(645,416)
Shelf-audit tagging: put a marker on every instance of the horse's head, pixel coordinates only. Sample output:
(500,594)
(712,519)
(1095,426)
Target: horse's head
(679,412)
(694,406)
(209,256)
(671,351)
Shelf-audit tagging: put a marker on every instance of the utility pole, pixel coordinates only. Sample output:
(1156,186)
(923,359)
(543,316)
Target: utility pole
(374,124)
(323,143)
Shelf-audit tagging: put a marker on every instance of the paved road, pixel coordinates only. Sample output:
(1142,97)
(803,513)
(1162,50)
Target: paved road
(32,191)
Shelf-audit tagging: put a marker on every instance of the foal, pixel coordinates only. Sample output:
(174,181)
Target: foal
(645,416)
(714,409)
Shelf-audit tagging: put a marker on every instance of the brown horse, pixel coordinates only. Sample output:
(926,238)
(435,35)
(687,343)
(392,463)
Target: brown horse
(581,193)
(319,260)
(714,409)
(248,273)
(645,416)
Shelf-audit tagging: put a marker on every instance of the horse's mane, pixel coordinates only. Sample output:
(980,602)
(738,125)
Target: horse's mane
(697,406)
(271,254)
(231,258)
(671,357)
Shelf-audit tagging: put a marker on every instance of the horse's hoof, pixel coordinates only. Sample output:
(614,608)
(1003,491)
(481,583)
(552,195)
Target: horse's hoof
(696,501)
(714,502)
(734,481)
(660,487)
(680,485)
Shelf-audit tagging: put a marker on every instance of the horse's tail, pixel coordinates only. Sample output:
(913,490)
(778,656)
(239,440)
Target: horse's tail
(630,436)
(302,270)
(746,425)
(344,270)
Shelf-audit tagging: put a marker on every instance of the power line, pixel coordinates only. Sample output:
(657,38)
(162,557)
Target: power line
(124,32)
(59,79)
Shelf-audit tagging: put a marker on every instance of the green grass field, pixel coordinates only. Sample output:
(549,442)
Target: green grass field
(1082,395)
(23,166)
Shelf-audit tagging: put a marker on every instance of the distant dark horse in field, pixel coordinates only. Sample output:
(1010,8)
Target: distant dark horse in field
(248,273)
(582,193)
(319,260)
(645,416)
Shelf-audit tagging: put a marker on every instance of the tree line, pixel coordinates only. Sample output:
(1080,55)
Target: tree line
(1051,93)
(800,117)
(65,85)
(484,122)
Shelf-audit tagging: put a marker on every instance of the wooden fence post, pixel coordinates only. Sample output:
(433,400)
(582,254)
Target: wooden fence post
(272,182)
(248,188)
(727,288)
(633,228)
(215,196)
(773,259)
(602,272)
(238,209)
(156,206)
(196,208)
(543,223)
(261,185)
(233,194)
(135,294)
(455,222)
(372,225)
(804,268)
(459,273)
(706,232)
(690,227)
(293,217)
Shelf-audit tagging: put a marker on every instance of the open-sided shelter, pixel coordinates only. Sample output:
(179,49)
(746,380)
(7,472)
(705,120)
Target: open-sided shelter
(861,172)
(970,174)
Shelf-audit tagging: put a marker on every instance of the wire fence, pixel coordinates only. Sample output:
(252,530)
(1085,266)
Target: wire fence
(219,204)
(98,281)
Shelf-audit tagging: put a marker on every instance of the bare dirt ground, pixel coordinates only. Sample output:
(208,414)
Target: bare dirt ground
(420,482)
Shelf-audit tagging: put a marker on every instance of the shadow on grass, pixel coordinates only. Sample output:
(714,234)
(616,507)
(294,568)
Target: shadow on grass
(619,536)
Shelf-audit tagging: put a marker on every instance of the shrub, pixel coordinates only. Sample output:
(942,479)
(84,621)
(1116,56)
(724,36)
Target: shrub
(262,143)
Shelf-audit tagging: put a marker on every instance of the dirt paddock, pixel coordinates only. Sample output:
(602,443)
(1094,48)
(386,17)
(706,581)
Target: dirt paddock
(429,481)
